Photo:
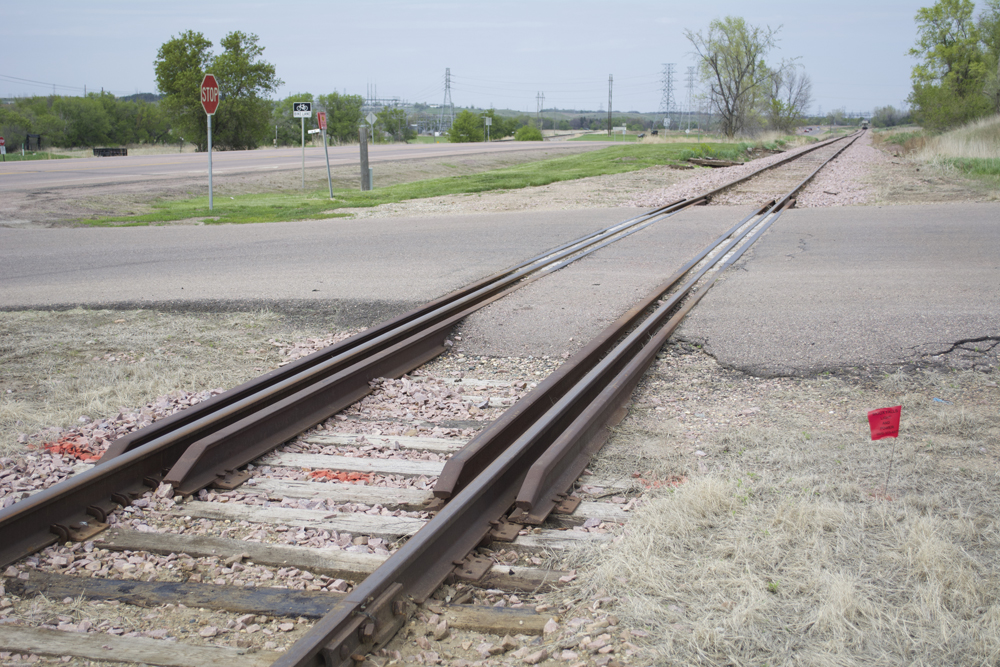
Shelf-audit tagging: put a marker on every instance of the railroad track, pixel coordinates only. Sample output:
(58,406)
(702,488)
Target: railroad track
(415,536)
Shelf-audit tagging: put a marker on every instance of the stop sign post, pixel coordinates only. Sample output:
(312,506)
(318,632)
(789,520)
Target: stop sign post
(209,102)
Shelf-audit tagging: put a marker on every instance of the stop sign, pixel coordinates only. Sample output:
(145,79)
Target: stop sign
(209,94)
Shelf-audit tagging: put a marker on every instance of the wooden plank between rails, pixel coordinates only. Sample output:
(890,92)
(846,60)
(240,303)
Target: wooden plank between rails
(339,492)
(398,467)
(279,602)
(356,523)
(416,443)
(346,565)
(387,527)
(129,650)
(407,499)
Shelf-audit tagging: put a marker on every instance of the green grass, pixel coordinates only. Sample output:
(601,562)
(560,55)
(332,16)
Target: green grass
(422,139)
(16,157)
(603,136)
(315,205)
(901,138)
(989,167)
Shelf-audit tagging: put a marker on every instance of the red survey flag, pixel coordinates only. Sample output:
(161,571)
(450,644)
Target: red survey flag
(884,422)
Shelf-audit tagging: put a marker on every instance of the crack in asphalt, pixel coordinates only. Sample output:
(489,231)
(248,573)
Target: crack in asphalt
(965,341)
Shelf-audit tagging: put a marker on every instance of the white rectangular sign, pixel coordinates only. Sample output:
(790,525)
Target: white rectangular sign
(316,131)
(302,109)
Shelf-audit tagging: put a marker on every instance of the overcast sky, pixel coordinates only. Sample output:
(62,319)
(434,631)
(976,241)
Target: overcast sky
(501,53)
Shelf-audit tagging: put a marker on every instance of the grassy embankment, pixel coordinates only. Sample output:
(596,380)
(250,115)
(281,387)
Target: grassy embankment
(17,157)
(316,204)
(973,149)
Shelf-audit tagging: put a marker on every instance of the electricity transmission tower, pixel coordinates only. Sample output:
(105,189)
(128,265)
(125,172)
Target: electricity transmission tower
(667,100)
(538,114)
(447,107)
(690,87)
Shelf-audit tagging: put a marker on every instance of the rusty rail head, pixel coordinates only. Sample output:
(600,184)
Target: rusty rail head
(472,459)
(139,460)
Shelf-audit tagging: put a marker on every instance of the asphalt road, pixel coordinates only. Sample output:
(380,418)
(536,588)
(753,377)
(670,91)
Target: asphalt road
(44,174)
(340,263)
(824,289)
(835,288)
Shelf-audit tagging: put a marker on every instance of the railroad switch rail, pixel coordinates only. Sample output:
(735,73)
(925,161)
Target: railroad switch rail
(527,460)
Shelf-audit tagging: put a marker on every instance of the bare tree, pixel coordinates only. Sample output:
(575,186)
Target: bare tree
(789,97)
(732,63)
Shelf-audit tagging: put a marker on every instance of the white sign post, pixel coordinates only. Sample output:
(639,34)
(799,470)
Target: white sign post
(3,149)
(303,110)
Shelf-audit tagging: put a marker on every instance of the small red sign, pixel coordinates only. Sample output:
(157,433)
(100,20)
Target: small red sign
(2,142)
(209,94)
(321,119)
(885,422)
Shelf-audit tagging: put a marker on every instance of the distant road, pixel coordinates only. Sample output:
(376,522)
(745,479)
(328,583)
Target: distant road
(15,176)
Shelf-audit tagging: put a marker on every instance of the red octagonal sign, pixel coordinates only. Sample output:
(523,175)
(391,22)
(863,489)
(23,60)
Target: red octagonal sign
(209,94)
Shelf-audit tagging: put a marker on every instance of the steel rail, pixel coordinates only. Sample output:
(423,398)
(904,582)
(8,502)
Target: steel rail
(370,615)
(476,455)
(78,507)
(558,468)
(68,510)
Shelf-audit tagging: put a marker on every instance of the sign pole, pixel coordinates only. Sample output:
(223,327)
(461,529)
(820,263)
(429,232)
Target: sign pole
(303,110)
(209,161)
(209,102)
(321,117)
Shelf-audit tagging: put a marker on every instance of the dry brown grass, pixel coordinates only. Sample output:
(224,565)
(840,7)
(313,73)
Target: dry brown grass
(57,367)
(980,139)
(783,548)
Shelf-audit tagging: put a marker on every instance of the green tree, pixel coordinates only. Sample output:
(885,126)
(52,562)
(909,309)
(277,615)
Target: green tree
(528,133)
(13,126)
(950,81)
(989,34)
(467,127)
(180,66)
(788,99)
(503,126)
(731,60)
(245,83)
(394,121)
(86,121)
(343,116)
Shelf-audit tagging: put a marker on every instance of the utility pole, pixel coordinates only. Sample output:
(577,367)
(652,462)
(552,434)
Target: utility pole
(611,81)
